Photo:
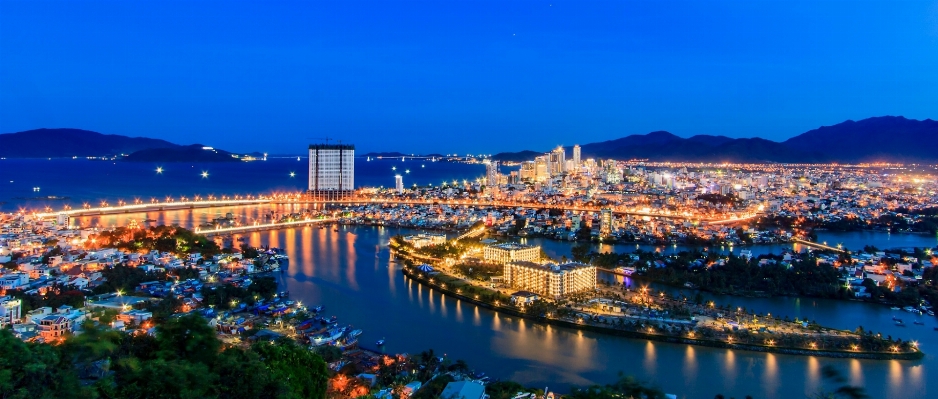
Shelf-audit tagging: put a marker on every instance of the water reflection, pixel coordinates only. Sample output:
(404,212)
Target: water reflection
(335,269)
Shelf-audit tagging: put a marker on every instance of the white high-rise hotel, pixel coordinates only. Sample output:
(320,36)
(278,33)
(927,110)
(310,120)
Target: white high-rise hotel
(331,170)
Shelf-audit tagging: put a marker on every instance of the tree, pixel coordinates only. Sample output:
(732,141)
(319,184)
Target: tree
(30,370)
(188,338)
(580,252)
(302,373)
(159,378)
(243,375)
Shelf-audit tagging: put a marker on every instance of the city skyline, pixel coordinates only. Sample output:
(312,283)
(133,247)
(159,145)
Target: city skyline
(396,75)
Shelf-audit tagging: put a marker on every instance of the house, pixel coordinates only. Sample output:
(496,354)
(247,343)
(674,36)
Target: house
(410,388)
(523,298)
(463,390)
(52,327)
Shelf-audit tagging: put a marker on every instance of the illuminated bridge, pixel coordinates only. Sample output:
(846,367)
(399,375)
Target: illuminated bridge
(155,206)
(260,227)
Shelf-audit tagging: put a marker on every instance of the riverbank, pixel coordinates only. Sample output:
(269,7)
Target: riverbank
(590,326)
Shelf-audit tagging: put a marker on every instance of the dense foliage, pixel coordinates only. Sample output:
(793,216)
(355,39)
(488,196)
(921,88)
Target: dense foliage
(184,360)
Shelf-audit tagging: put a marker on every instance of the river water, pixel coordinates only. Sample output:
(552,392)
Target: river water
(348,271)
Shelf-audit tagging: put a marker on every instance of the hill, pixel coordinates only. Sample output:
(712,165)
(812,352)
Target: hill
(887,138)
(67,143)
(60,143)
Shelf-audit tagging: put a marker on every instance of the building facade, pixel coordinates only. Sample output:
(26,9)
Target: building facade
(505,253)
(491,173)
(331,170)
(550,280)
(399,184)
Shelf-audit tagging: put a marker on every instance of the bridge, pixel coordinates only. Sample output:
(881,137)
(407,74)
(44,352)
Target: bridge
(151,207)
(533,205)
(156,206)
(818,245)
(260,227)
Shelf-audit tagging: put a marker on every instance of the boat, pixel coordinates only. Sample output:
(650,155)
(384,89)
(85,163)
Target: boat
(380,342)
(931,313)
(919,323)
(333,319)
(899,323)
(910,309)
(896,319)
(317,308)
(355,333)
(895,308)
(326,337)
(347,344)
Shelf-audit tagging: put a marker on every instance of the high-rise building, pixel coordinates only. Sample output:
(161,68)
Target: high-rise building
(491,173)
(511,252)
(552,281)
(528,171)
(556,161)
(576,159)
(331,170)
(541,168)
(605,222)
(399,184)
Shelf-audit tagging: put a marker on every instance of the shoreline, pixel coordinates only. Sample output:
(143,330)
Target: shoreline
(666,338)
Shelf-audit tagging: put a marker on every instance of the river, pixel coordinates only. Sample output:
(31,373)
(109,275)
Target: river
(340,270)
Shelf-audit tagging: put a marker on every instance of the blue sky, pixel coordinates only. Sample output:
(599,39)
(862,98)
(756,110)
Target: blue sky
(461,76)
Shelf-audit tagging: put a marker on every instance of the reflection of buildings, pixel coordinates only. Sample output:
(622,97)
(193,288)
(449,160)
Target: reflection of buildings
(511,252)
(550,280)
(331,170)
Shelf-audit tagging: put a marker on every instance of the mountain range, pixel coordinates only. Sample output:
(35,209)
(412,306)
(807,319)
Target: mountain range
(878,139)
(67,143)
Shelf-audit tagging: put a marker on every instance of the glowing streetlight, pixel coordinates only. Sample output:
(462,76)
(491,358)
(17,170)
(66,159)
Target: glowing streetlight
(159,170)
(204,174)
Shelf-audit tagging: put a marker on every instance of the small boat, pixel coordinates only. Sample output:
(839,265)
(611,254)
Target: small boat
(919,323)
(896,319)
(333,319)
(317,308)
(380,342)
(894,308)
(899,323)
(931,313)
(355,333)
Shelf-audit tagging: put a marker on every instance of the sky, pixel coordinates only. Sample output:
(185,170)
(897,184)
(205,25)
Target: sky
(461,76)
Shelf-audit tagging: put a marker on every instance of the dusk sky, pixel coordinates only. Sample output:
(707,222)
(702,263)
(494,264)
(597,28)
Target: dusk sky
(461,76)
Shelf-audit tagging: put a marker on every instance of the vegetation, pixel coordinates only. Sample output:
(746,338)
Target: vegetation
(173,239)
(184,360)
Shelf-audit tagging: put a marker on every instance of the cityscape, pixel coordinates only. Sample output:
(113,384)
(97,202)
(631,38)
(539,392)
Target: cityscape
(500,257)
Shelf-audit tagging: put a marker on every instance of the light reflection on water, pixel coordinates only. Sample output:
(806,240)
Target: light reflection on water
(335,269)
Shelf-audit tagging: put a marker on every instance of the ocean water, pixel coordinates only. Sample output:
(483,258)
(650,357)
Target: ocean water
(93,181)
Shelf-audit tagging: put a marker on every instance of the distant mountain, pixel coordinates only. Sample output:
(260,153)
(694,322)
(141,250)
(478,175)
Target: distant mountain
(59,143)
(886,138)
(66,143)
(516,156)
(190,153)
